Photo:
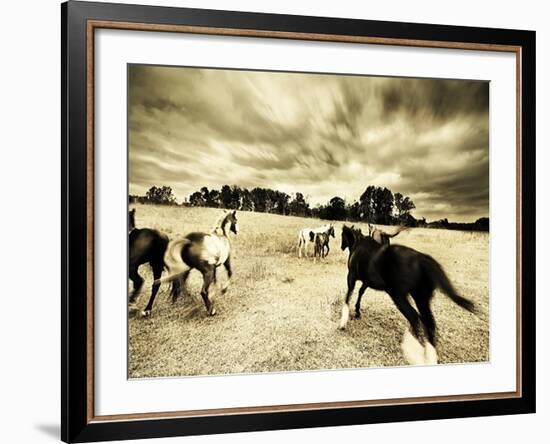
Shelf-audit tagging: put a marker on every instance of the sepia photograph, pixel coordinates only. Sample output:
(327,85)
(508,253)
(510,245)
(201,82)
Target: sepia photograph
(296,221)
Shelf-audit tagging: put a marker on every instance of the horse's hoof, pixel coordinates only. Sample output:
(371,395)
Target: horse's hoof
(212,312)
(430,354)
(357,315)
(344,318)
(146,314)
(413,350)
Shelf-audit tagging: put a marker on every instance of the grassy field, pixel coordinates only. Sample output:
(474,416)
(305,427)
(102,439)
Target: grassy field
(281,312)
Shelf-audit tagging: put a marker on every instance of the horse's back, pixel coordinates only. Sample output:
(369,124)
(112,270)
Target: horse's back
(403,267)
(147,244)
(205,249)
(196,237)
(394,263)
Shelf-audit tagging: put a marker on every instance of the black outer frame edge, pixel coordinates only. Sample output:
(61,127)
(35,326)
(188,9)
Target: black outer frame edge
(143,429)
(64,320)
(528,205)
(74,426)
(296,23)
(74,316)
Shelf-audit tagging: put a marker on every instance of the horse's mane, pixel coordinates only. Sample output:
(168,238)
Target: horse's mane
(355,235)
(349,233)
(220,222)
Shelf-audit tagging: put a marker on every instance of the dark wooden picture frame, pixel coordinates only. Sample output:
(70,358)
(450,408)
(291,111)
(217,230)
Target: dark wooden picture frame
(79,21)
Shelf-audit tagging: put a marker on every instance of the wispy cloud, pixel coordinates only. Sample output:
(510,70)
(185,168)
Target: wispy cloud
(323,135)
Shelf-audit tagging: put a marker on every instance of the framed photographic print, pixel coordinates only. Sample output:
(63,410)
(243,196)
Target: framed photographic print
(276,221)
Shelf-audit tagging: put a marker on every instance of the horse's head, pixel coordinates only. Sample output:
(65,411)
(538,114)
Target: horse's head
(330,231)
(131,219)
(348,237)
(232,219)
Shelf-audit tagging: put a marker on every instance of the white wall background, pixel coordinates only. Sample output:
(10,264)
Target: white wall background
(29,218)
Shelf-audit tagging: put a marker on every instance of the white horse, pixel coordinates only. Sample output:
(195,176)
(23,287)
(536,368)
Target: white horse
(304,238)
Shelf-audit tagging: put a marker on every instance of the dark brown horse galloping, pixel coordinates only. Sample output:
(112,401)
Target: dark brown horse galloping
(145,246)
(205,252)
(399,271)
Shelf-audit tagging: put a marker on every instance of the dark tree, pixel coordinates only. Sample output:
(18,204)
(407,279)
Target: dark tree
(377,205)
(247,203)
(226,196)
(403,206)
(482,224)
(383,203)
(235,198)
(213,199)
(336,209)
(298,206)
(354,211)
(196,199)
(366,204)
(160,195)
(316,211)
(281,202)
(205,194)
(259,197)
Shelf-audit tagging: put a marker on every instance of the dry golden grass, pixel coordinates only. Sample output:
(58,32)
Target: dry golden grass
(281,313)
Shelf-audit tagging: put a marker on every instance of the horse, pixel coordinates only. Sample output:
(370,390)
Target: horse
(204,252)
(145,246)
(320,240)
(399,271)
(304,236)
(381,236)
(131,219)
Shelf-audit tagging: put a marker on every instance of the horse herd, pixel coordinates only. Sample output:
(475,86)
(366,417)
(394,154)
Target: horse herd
(395,269)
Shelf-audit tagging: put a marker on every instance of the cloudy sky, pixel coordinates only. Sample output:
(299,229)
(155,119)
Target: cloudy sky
(322,135)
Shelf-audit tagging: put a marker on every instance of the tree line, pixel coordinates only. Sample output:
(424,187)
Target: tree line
(375,205)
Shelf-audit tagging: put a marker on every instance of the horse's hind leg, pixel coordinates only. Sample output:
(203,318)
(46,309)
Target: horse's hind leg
(227,266)
(208,276)
(178,286)
(358,303)
(137,280)
(345,308)
(411,345)
(422,300)
(157,272)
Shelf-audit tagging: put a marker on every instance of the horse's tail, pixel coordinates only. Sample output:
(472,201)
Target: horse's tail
(440,280)
(173,260)
(399,230)
(311,236)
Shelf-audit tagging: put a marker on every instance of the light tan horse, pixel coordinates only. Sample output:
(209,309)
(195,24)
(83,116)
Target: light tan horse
(205,252)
